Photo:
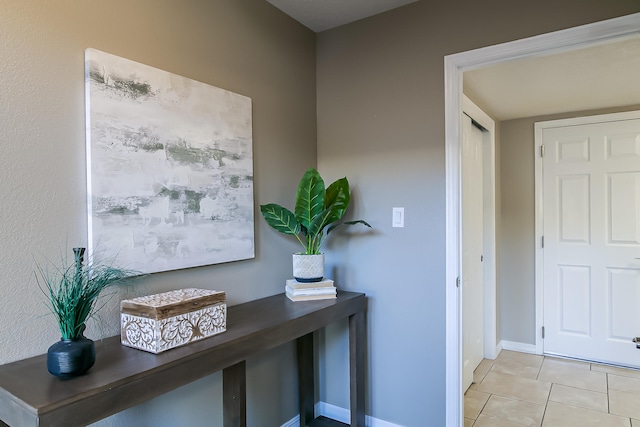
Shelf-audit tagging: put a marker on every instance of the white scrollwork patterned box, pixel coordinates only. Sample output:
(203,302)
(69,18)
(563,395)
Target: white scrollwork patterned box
(160,322)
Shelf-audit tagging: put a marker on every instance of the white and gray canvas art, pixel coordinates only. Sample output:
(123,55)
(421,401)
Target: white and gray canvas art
(170,168)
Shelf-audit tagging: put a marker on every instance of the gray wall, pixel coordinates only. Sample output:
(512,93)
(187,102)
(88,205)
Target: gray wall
(517,242)
(248,47)
(381,123)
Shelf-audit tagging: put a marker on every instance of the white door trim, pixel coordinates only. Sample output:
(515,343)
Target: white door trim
(539,205)
(489,168)
(454,66)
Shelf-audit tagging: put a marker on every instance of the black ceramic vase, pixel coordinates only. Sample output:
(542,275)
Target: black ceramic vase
(71,358)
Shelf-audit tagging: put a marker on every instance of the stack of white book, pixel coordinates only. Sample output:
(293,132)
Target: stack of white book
(299,291)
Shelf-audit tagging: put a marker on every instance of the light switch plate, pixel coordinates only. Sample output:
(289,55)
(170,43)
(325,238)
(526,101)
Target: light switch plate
(397,217)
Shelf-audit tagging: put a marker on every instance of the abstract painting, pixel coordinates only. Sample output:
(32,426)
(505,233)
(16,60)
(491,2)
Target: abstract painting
(169,168)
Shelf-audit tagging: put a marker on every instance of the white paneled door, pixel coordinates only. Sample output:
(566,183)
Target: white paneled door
(472,248)
(591,223)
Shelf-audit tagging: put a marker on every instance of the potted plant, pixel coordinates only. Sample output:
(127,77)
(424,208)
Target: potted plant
(316,209)
(72,292)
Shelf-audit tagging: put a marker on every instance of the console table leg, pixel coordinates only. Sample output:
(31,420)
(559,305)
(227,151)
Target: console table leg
(356,367)
(234,395)
(304,348)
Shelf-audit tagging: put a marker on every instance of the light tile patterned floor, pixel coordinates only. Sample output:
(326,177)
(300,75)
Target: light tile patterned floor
(519,389)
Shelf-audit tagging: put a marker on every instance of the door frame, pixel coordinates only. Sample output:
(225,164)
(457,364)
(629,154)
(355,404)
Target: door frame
(539,202)
(454,67)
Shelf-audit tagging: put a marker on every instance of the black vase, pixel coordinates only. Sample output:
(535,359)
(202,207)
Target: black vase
(71,358)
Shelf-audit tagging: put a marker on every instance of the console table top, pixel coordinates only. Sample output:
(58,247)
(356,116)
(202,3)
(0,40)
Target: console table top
(123,377)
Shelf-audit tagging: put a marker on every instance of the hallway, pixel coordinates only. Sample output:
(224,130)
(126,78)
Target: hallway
(520,389)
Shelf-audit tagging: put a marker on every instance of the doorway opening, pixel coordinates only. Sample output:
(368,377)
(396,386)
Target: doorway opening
(455,65)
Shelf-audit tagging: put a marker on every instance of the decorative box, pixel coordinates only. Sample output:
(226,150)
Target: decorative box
(160,322)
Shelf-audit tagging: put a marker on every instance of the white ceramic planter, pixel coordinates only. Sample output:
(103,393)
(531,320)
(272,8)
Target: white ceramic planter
(308,268)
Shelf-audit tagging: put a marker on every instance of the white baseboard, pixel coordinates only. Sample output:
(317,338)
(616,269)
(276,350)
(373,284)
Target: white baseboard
(344,415)
(293,422)
(334,412)
(339,414)
(518,346)
(498,349)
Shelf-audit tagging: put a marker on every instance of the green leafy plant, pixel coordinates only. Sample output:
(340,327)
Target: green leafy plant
(72,291)
(316,209)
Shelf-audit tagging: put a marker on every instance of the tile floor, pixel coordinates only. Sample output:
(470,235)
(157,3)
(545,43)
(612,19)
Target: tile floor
(519,389)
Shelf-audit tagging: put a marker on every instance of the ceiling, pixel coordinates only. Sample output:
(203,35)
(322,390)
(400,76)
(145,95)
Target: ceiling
(601,76)
(321,15)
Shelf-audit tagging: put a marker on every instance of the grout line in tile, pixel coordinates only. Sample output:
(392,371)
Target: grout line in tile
(546,405)
(540,369)
(483,406)
(608,399)
(549,393)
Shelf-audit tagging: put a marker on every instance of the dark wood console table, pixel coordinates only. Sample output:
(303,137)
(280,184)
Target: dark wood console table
(124,377)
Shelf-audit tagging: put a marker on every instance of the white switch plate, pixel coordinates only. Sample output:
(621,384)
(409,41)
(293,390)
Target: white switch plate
(397,217)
